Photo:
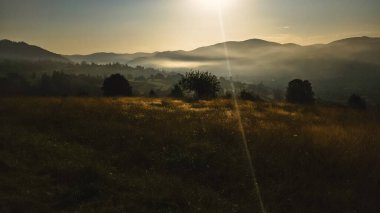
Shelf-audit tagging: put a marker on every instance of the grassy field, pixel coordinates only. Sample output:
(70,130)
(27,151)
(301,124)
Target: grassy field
(163,155)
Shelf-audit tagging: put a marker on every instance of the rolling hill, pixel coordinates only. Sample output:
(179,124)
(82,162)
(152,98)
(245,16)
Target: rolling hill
(336,69)
(105,58)
(22,51)
(261,60)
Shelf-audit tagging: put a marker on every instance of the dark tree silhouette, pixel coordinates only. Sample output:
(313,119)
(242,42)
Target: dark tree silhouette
(176,92)
(203,84)
(13,84)
(227,95)
(116,85)
(152,93)
(357,102)
(300,92)
(245,95)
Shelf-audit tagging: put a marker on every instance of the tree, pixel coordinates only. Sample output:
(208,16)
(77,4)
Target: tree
(14,84)
(357,102)
(152,93)
(245,95)
(300,92)
(203,84)
(116,85)
(176,92)
(227,95)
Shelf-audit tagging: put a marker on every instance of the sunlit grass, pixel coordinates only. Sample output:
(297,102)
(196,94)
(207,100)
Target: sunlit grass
(149,155)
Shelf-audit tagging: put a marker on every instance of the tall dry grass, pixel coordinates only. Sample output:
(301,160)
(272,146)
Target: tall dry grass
(164,155)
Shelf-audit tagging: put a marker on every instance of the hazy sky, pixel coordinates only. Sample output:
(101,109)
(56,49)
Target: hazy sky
(87,26)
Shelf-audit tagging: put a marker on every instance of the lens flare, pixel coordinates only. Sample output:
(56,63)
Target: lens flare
(237,108)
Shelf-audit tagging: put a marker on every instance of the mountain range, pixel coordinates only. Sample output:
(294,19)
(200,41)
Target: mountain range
(253,56)
(351,64)
(254,51)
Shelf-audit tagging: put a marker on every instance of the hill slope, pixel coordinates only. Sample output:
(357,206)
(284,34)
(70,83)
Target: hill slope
(336,70)
(23,51)
(105,58)
(350,60)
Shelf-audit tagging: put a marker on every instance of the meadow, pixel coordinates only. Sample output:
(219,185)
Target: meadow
(165,155)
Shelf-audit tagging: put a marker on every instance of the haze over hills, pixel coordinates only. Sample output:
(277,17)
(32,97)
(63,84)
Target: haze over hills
(104,58)
(250,49)
(252,57)
(196,55)
(345,66)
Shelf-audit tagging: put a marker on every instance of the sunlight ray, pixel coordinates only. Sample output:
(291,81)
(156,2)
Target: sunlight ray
(234,96)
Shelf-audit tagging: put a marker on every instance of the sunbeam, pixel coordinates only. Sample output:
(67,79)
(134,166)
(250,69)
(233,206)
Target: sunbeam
(237,108)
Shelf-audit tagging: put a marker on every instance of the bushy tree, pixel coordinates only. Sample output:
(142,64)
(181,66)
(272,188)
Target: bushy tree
(300,92)
(227,95)
(203,84)
(176,92)
(245,95)
(116,85)
(357,102)
(152,93)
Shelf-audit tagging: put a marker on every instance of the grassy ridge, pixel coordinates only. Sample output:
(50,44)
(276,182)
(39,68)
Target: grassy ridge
(163,155)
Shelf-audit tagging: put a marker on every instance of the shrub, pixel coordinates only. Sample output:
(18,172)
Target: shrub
(228,95)
(116,85)
(176,92)
(357,102)
(245,95)
(152,93)
(203,84)
(300,92)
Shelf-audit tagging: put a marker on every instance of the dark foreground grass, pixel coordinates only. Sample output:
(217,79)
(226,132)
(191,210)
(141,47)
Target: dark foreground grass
(161,155)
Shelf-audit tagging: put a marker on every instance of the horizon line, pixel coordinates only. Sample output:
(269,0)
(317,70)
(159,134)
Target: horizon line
(175,50)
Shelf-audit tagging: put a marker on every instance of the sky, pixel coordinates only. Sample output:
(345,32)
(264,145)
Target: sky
(128,26)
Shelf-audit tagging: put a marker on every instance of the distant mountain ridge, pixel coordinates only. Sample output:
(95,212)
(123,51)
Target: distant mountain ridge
(214,53)
(350,65)
(104,58)
(22,51)
(135,58)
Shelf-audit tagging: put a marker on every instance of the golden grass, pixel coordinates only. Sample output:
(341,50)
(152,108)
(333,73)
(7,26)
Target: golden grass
(166,155)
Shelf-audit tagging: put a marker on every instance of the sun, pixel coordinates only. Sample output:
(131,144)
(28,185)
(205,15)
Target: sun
(212,4)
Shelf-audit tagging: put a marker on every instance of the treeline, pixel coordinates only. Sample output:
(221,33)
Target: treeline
(194,85)
(48,78)
(32,69)
(51,78)
(198,85)
(55,84)
(59,83)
